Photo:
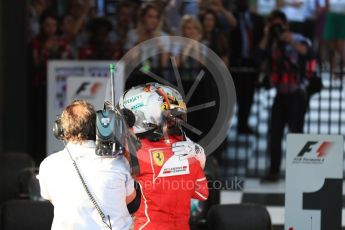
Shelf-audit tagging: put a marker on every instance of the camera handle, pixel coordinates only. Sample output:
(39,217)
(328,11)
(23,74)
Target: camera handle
(88,192)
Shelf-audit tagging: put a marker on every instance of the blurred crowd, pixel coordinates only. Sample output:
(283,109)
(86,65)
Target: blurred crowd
(233,29)
(78,29)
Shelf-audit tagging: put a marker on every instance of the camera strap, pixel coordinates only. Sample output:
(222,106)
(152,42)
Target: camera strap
(105,219)
(295,68)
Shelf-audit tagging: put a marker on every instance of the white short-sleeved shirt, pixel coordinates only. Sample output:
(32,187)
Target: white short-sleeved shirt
(337,6)
(107,178)
(296,14)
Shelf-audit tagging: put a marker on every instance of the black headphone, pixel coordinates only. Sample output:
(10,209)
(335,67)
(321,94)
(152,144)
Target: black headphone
(57,129)
(128,116)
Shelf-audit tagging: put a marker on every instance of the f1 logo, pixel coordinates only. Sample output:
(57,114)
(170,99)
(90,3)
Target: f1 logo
(82,87)
(320,152)
(307,148)
(88,89)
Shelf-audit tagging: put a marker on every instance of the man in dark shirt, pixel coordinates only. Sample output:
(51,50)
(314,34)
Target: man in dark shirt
(245,39)
(286,55)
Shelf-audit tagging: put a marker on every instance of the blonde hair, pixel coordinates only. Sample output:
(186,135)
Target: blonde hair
(190,19)
(145,8)
(78,121)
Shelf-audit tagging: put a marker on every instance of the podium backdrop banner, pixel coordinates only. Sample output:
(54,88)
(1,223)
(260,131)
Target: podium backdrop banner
(69,80)
(314,182)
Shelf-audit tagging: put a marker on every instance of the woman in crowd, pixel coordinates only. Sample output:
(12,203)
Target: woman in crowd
(192,29)
(122,23)
(98,46)
(213,36)
(72,28)
(192,61)
(334,33)
(148,27)
(47,45)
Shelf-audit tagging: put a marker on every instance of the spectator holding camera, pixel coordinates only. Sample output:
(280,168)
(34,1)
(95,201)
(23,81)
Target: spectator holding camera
(107,178)
(285,55)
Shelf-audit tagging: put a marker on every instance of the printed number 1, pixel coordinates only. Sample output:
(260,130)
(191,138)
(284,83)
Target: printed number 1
(329,200)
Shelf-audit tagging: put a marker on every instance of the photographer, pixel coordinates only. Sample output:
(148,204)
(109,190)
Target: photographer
(107,178)
(284,55)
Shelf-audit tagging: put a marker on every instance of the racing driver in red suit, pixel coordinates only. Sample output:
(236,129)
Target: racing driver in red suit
(171,165)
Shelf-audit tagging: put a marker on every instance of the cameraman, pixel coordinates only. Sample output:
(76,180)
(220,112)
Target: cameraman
(107,178)
(284,54)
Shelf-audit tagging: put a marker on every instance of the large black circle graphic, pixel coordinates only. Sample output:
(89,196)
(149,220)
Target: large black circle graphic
(214,65)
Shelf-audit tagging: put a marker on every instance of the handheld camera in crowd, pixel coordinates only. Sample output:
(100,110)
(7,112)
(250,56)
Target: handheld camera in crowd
(276,30)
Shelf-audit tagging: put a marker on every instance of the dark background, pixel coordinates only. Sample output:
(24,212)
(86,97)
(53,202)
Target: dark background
(13,77)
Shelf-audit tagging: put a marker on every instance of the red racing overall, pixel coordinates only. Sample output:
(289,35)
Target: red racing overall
(167,185)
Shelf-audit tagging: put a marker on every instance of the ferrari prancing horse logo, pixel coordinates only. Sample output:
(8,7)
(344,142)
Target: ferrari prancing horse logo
(158,157)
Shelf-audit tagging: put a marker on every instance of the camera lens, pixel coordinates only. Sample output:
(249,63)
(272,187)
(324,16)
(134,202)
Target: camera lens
(276,30)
